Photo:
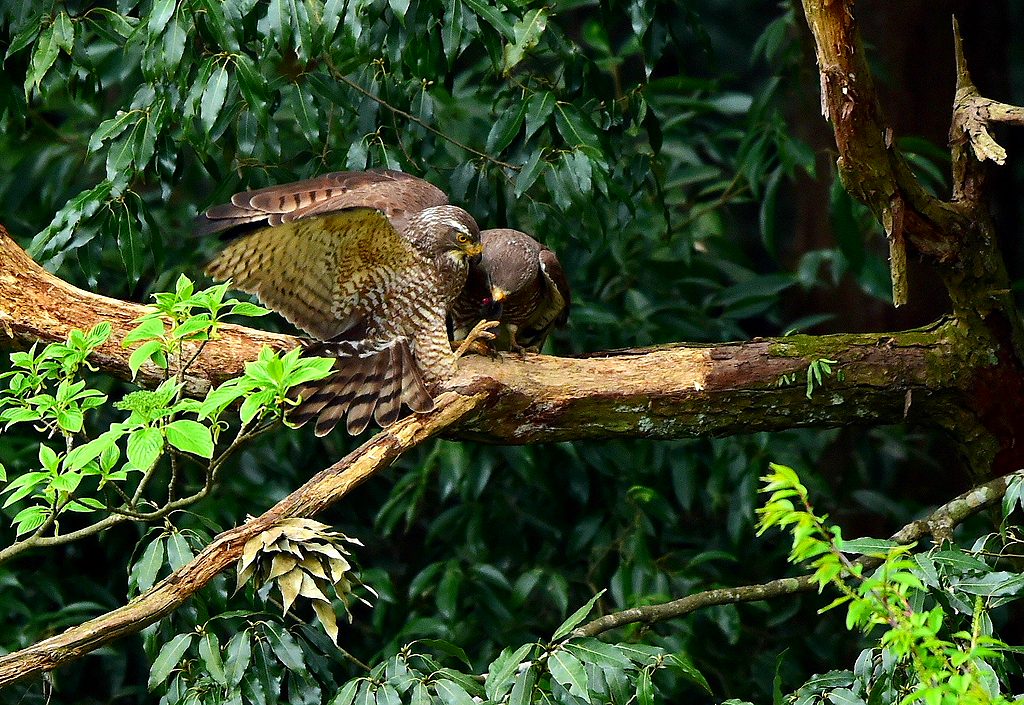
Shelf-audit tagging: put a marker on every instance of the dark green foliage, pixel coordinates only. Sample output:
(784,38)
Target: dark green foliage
(646,142)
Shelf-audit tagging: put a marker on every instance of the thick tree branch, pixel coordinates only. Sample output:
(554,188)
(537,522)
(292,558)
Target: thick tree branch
(872,169)
(317,494)
(955,236)
(672,391)
(939,525)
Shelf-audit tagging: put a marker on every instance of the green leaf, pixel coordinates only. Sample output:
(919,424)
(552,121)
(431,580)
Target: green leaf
(168,658)
(598,653)
(576,617)
(145,447)
(143,354)
(213,97)
(244,308)
(239,652)
(501,672)
(220,397)
(400,8)
(527,33)
(109,129)
(505,128)
(70,420)
(644,688)
(532,169)
(308,369)
(209,652)
(288,652)
(539,109)
(451,693)
(493,17)
(48,458)
(148,567)
(148,328)
(178,551)
(173,47)
(23,485)
(448,648)
(68,482)
(191,437)
(387,695)
(23,38)
(867,546)
(43,56)
(451,30)
(575,128)
(347,694)
(569,672)
(159,15)
(195,327)
(522,691)
(682,663)
(64,32)
(29,519)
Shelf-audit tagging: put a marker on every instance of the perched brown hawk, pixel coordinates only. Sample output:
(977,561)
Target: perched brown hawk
(518,282)
(368,263)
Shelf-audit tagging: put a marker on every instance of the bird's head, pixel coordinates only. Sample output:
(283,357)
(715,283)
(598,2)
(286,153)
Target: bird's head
(448,232)
(510,261)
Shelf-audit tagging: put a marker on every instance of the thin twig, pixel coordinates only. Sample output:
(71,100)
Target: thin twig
(408,116)
(936,524)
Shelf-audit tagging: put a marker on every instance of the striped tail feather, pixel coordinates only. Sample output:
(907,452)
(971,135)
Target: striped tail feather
(363,401)
(414,391)
(370,382)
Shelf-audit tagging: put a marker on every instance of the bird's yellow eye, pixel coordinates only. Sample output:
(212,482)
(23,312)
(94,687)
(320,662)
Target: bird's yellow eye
(463,238)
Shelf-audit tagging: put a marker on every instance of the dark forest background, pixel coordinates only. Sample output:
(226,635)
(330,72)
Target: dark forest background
(683,173)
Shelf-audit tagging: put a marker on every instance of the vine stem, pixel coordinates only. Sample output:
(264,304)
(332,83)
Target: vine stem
(412,118)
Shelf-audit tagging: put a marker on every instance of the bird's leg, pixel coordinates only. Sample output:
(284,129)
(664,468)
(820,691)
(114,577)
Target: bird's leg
(514,345)
(481,332)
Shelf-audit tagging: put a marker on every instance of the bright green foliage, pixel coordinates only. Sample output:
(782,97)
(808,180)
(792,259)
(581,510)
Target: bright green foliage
(937,646)
(166,332)
(86,476)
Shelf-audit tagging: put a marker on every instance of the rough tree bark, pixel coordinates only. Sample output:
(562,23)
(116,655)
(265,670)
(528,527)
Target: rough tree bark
(963,374)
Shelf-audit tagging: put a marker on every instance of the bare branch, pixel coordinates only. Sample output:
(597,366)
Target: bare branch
(939,524)
(873,170)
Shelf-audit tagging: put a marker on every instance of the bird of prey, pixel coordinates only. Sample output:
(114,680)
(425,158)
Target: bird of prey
(368,263)
(518,282)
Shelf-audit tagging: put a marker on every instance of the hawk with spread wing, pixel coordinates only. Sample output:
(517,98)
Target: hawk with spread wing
(368,263)
(518,282)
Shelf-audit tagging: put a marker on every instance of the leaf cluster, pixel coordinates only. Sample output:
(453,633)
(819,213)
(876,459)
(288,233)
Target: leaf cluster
(918,600)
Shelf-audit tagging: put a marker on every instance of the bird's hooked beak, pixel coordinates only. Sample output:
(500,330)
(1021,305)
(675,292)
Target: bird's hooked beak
(474,250)
(493,306)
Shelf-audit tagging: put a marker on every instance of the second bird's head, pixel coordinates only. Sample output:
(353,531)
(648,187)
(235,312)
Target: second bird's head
(446,232)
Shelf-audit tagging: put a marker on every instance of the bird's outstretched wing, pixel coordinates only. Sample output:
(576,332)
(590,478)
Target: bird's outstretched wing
(394,193)
(324,274)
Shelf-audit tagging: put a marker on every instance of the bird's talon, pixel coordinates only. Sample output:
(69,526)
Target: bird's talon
(475,340)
